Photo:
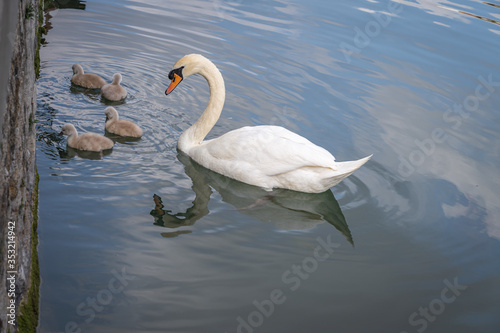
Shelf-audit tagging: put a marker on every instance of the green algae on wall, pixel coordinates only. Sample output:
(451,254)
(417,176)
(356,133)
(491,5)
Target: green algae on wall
(27,320)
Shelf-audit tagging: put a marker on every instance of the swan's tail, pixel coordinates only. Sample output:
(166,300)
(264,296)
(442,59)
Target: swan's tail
(345,169)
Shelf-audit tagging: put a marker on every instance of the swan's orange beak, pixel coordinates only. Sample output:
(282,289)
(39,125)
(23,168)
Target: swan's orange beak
(175,81)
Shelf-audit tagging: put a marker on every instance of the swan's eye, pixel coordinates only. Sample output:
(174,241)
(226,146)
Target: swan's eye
(178,71)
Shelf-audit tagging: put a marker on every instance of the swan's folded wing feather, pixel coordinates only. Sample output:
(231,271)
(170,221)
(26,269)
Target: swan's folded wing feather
(273,149)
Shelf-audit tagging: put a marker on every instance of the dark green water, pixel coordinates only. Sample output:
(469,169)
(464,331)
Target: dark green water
(143,240)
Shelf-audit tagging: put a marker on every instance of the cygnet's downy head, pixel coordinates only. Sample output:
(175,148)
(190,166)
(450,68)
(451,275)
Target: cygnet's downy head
(111,114)
(77,69)
(68,129)
(117,78)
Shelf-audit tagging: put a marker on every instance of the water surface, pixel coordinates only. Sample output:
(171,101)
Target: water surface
(144,240)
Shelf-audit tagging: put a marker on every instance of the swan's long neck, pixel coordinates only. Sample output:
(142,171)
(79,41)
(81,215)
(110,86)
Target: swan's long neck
(194,135)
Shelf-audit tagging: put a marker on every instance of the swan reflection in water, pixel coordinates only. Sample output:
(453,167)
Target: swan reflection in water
(285,209)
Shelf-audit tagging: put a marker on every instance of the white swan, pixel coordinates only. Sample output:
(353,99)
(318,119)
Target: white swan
(265,156)
(86,141)
(121,127)
(86,80)
(114,91)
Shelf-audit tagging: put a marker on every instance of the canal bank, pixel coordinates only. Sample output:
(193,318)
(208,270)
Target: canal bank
(19,274)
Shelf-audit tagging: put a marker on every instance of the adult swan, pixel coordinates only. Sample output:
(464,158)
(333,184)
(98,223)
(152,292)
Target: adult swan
(265,156)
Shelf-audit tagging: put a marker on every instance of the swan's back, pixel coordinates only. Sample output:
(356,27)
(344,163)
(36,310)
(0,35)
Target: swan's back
(274,148)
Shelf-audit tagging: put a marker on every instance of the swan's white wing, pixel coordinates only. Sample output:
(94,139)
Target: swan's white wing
(273,150)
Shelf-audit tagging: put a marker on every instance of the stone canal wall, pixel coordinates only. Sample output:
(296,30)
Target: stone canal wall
(19,22)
